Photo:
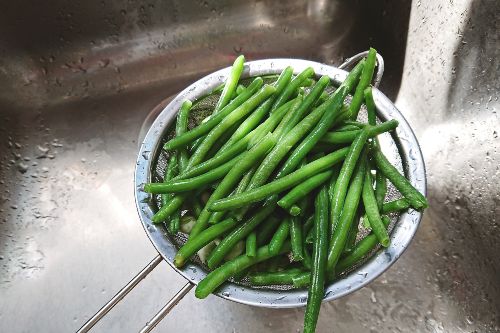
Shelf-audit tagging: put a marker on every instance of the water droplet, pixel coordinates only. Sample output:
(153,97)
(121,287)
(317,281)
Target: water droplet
(226,294)
(22,167)
(145,154)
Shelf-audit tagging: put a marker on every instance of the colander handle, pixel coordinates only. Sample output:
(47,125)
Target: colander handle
(128,288)
(355,58)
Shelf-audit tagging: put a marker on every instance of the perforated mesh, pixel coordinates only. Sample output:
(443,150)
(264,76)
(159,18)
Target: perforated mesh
(200,110)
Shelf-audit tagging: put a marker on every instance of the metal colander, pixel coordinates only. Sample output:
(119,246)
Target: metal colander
(400,147)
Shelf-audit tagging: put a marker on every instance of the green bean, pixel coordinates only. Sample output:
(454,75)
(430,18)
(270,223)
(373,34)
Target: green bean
(339,236)
(291,87)
(348,136)
(227,122)
(307,261)
(301,280)
(170,172)
(362,248)
(327,120)
(364,81)
(280,236)
(370,203)
(342,183)
(414,197)
(215,119)
(174,223)
(307,83)
(247,160)
(345,128)
(194,183)
(181,128)
(310,237)
(308,102)
(239,89)
(303,189)
(395,206)
(370,106)
(172,206)
(281,184)
(353,232)
(254,119)
(282,129)
(280,277)
(231,83)
(318,271)
(296,238)
(196,143)
(194,244)
(197,207)
(218,254)
(380,189)
(218,276)
(251,244)
(266,230)
(248,140)
(308,225)
(295,210)
(333,180)
(242,185)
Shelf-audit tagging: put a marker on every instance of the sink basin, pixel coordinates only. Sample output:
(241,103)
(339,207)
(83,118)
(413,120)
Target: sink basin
(78,80)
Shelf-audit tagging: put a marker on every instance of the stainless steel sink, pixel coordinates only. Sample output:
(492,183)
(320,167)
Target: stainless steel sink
(78,80)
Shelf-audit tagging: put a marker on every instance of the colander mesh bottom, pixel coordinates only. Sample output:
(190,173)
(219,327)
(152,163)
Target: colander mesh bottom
(201,109)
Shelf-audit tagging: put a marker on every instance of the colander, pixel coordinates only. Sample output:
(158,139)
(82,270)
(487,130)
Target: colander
(401,148)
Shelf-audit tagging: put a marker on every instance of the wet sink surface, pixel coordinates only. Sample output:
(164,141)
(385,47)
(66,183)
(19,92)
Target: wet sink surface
(75,93)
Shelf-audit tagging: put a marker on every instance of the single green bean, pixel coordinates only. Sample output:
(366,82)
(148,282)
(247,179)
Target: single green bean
(281,184)
(310,237)
(194,183)
(349,136)
(239,89)
(301,280)
(172,206)
(380,189)
(395,206)
(273,278)
(227,122)
(362,248)
(350,206)
(342,183)
(327,120)
(181,128)
(218,254)
(230,84)
(307,262)
(194,244)
(308,225)
(318,271)
(218,276)
(370,106)
(364,81)
(296,238)
(251,244)
(353,232)
(414,197)
(247,160)
(291,87)
(215,119)
(170,172)
(303,189)
(345,128)
(370,203)
(280,236)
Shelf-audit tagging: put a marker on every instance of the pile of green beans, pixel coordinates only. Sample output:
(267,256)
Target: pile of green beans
(278,178)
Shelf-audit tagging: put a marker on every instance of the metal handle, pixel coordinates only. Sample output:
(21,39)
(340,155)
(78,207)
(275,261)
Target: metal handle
(355,58)
(127,288)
